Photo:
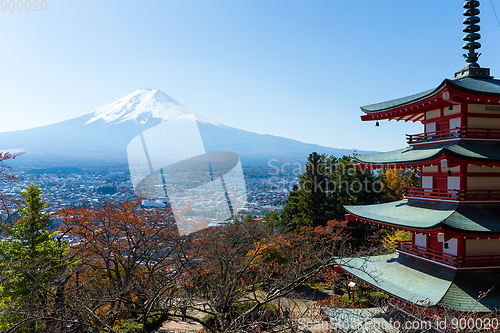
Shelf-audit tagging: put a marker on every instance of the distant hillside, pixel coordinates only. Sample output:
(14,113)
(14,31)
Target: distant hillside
(100,138)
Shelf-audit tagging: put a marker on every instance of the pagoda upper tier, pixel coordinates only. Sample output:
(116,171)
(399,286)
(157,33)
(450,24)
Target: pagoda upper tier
(458,154)
(466,108)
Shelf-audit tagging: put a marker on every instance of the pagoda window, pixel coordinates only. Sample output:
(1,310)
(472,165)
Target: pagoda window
(426,182)
(430,127)
(454,124)
(421,240)
(451,247)
(453,183)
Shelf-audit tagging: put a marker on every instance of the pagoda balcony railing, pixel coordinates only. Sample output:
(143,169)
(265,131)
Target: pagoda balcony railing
(453,195)
(455,133)
(479,261)
(406,247)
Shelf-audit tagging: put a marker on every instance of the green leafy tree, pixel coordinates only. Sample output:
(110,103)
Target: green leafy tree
(350,186)
(314,203)
(290,213)
(327,184)
(31,259)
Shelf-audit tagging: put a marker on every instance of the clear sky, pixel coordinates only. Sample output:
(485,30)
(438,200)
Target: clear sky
(298,69)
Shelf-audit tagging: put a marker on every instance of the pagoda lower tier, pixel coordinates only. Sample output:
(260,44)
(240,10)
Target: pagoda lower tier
(425,284)
(453,256)
(456,236)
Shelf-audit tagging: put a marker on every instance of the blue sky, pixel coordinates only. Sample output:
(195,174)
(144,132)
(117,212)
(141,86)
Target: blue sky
(298,69)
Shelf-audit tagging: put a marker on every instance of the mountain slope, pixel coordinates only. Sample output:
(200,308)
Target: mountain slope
(101,137)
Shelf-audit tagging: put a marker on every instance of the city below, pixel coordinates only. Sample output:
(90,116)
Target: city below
(74,187)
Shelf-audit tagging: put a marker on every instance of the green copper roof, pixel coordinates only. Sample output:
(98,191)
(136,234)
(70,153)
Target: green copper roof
(405,213)
(383,106)
(476,218)
(427,215)
(474,85)
(401,156)
(414,280)
(483,86)
(476,150)
(464,291)
(402,276)
(414,154)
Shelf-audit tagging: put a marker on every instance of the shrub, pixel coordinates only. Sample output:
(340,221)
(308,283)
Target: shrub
(135,326)
(128,326)
(270,310)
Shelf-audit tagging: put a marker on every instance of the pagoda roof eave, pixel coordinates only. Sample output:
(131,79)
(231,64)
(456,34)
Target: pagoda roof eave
(414,280)
(406,278)
(403,101)
(405,214)
(482,86)
(481,153)
(411,104)
(416,215)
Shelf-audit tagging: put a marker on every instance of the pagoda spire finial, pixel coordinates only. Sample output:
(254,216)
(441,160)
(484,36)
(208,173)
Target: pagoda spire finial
(471,19)
(471,37)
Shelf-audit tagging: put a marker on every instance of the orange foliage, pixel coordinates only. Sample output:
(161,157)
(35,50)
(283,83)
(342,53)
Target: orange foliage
(123,252)
(268,251)
(5,174)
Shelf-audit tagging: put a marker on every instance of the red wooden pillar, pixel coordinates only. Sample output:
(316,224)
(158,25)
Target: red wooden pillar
(461,246)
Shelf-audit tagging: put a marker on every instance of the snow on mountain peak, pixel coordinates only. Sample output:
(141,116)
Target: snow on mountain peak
(143,106)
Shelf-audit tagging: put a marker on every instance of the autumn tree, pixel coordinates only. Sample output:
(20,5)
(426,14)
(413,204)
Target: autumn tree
(8,204)
(239,275)
(389,241)
(128,262)
(5,172)
(395,180)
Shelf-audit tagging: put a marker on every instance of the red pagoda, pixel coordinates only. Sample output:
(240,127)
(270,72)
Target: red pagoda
(454,216)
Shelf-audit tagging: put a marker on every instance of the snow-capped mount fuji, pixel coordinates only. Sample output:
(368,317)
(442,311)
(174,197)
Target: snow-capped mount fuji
(145,107)
(100,138)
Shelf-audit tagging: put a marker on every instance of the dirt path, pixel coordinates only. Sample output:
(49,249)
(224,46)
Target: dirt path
(178,326)
(301,300)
